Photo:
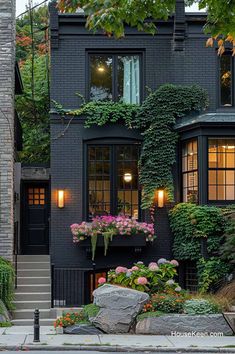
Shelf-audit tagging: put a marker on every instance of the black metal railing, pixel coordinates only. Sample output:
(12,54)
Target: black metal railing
(15,249)
(69,286)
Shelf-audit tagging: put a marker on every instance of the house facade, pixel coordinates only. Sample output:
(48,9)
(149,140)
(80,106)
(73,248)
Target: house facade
(89,166)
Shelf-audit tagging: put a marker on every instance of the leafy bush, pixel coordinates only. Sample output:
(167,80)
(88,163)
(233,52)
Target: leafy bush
(228,248)
(200,307)
(68,319)
(152,278)
(7,276)
(169,302)
(189,223)
(91,310)
(210,271)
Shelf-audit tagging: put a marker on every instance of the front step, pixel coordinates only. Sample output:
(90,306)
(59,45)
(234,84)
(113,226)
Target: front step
(32,288)
(29,314)
(33,265)
(25,322)
(43,304)
(33,273)
(33,258)
(32,296)
(33,280)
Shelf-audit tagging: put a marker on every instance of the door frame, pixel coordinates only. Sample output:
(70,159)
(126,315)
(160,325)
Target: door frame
(23,188)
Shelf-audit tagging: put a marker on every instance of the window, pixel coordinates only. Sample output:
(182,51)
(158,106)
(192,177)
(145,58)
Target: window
(226,80)
(221,160)
(190,171)
(36,196)
(114,77)
(113,186)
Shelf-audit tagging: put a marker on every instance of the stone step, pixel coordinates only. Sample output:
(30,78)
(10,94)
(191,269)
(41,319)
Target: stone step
(32,296)
(41,304)
(33,265)
(33,273)
(29,322)
(30,288)
(29,314)
(33,280)
(33,258)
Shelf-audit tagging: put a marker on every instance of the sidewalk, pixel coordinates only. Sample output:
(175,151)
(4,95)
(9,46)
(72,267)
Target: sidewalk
(21,338)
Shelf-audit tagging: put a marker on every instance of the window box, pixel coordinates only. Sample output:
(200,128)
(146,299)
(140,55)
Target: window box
(134,241)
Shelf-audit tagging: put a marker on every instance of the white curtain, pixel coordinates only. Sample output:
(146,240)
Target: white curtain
(131,80)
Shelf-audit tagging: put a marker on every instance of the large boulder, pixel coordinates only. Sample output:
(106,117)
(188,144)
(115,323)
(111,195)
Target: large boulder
(173,324)
(118,308)
(82,329)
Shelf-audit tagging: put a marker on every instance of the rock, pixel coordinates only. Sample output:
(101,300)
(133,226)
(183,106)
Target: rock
(82,329)
(118,308)
(4,315)
(166,324)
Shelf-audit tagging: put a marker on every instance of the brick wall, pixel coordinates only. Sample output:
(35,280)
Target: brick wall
(7,80)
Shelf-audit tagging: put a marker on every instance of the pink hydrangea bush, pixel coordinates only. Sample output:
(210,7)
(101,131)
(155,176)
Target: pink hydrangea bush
(116,225)
(156,277)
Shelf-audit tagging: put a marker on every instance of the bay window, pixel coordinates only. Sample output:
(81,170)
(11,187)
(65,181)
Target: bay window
(221,165)
(113,186)
(114,77)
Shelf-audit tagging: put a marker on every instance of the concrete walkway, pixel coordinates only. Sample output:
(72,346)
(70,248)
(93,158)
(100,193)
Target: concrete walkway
(21,338)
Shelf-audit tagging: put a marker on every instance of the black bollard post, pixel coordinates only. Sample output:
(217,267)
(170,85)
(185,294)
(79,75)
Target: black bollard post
(36,326)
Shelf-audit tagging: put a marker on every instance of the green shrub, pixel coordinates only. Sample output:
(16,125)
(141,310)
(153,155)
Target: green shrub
(228,248)
(91,310)
(69,319)
(200,307)
(168,303)
(7,277)
(210,271)
(149,314)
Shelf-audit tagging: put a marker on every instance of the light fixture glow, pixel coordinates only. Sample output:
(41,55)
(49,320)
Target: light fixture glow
(101,69)
(60,198)
(127,177)
(160,198)
(228,146)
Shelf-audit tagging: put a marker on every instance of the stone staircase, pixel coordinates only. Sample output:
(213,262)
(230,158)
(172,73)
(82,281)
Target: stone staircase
(33,290)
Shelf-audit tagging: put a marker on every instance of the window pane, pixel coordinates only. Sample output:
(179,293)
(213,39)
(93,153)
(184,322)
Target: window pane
(226,80)
(129,79)
(189,169)
(101,71)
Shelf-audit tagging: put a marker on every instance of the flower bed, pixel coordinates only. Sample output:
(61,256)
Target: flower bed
(102,231)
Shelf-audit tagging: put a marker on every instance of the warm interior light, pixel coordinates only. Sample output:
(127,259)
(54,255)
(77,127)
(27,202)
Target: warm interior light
(101,69)
(61,198)
(160,198)
(228,146)
(127,177)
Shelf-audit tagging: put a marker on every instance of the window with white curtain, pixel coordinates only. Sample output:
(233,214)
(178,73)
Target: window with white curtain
(114,77)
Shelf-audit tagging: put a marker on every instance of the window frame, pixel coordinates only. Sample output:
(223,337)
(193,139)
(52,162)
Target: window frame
(227,53)
(218,201)
(115,53)
(113,181)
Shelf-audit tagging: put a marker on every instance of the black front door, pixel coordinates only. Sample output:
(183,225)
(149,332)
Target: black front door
(35,219)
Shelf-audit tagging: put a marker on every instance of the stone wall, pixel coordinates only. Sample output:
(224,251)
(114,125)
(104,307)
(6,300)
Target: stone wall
(7,81)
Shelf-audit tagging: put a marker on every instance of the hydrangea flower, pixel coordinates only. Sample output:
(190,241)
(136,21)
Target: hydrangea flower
(170,282)
(162,261)
(153,267)
(134,268)
(178,288)
(101,280)
(142,281)
(174,262)
(140,262)
(128,274)
(120,269)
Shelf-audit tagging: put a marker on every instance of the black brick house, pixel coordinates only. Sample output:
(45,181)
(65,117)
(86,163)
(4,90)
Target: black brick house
(99,67)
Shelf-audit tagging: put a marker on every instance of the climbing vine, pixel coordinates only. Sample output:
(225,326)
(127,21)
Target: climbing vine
(155,119)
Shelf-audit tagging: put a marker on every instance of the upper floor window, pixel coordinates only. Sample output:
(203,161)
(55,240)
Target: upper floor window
(114,77)
(221,164)
(190,171)
(226,80)
(113,186)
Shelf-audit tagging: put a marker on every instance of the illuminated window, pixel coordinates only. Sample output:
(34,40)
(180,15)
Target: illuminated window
(221,174)
(36,196)
(113,186)
(226,80)
(190,171)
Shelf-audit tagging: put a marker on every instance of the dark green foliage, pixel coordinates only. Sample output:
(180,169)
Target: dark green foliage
(149,314)
(228,248)
(91,310)
(190,222)
(201,307)
(210,271)
(155,118)
(7,277)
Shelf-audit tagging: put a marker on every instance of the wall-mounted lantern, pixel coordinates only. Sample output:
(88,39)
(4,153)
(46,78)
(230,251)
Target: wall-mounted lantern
(160,198)
(127,177)
(60,198)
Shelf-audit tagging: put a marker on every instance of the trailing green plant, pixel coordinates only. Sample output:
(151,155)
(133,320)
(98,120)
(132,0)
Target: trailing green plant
(155,119)
(228,248)
(210,271)
(200,307)
(7,276)
(191,222)
(91,310)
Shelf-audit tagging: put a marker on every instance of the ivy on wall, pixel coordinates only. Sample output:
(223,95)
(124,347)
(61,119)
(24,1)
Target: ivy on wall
(155,118)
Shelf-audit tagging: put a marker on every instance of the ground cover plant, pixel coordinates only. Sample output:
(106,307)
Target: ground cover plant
(7,277)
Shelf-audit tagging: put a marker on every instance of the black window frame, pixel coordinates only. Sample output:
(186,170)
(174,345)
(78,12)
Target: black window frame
(218,201)
(113,180)
(115,54)
(226,53)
